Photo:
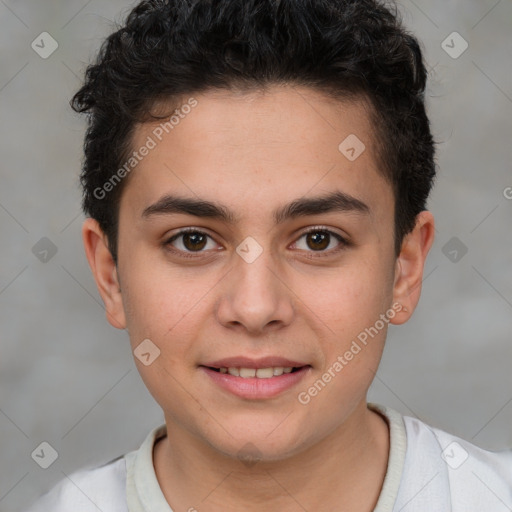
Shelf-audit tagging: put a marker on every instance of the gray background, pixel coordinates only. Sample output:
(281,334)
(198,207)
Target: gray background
(67,377)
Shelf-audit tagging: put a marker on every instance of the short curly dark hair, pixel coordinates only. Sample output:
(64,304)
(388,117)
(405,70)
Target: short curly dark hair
(345,48)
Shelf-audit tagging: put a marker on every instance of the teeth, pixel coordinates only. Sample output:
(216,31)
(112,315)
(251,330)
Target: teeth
(260,373)
(264,373)
(247,372)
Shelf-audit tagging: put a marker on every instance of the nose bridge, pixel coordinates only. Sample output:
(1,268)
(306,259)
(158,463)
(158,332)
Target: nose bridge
(253,294)
(257,277)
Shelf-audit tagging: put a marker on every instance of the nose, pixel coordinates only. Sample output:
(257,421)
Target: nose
(254,296)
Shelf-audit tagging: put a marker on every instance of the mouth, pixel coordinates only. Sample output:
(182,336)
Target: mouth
(258,373)
(256,380)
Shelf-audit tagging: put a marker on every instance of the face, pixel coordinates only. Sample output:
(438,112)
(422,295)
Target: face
(251,244)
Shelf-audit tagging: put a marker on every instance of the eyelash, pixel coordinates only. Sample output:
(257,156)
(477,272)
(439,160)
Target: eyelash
(343,242)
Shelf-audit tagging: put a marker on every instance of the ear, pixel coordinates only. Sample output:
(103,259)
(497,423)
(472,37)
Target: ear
(104,271)
(410,264)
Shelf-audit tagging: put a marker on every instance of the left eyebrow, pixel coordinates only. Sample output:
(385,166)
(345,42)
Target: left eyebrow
(333,202)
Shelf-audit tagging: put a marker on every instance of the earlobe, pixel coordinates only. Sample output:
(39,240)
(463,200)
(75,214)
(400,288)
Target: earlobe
(104,271)
(410,264)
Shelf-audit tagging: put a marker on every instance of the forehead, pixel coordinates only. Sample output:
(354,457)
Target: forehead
(258,149)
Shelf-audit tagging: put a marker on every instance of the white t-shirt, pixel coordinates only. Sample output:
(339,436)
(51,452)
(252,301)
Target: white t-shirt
(428,470)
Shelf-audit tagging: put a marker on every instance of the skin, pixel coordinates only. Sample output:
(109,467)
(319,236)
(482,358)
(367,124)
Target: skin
(254,153)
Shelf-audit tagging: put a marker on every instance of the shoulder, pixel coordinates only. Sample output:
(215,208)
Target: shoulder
(471,476)
(88,490)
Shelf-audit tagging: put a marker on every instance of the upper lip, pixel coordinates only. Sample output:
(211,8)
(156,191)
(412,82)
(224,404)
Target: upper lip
(247,362)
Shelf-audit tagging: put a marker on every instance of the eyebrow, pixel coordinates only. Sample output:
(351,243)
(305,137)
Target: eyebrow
(333,202)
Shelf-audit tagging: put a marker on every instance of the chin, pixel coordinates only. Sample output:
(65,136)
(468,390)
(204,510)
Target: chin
(251,445)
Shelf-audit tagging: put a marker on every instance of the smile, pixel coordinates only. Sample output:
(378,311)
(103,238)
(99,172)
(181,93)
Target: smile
(255,383)
(259,373)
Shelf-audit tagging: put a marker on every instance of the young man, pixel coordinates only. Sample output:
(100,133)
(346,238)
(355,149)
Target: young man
(256,177)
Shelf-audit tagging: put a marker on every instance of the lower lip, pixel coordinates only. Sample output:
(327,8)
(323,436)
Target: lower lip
(253,388)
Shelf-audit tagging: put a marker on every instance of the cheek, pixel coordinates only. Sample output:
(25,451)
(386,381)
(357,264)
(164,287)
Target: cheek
(170,311)
(346,308)
(350,295)
(158,301)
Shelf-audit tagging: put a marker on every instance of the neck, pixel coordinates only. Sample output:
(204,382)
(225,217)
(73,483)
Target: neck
(345,470)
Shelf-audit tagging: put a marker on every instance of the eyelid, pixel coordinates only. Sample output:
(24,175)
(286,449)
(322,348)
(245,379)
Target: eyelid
(327,229)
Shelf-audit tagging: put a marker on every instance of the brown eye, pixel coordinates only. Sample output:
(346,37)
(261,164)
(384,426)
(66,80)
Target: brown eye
(191,241)
(194,241)
(318,240)
(321,240)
